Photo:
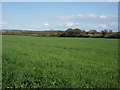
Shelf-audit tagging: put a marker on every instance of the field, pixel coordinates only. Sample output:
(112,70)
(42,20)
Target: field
(56,62)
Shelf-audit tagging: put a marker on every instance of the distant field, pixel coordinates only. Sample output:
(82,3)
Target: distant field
(54,62)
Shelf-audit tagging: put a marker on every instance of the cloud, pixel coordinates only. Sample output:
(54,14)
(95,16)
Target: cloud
(46,24)
(62,22)
(70,24)
(86,16)
(102,16)
(103,26)
(88,21)
(91,15)
(113,24)
(14,26)
(66,16)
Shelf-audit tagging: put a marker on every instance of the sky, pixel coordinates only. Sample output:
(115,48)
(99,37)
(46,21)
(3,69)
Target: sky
(60,0)
(60,15)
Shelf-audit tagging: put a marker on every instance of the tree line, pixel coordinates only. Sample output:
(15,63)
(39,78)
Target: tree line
(68,33)
(92,33)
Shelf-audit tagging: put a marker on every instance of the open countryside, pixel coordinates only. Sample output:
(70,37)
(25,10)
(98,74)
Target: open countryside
(57,62)
(60,45)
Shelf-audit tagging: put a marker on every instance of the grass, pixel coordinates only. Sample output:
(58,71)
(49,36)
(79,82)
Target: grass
(52,62)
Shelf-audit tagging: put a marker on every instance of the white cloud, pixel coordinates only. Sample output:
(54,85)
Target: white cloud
(14,26)
(86,16)
(91,15)
(70,24)
(102,16)
(103,26)
(66,16)
(46,24)
(77,16)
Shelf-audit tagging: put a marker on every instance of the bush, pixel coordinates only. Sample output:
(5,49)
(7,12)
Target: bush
(114,35)
(83,35)
(97,36)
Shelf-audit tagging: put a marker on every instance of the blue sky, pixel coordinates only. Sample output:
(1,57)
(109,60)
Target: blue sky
(59,15)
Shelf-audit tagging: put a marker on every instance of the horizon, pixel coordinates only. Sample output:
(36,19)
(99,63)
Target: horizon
(60,15)
(50,30)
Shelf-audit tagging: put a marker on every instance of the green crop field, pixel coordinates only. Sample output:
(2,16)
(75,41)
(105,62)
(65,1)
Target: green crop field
(57,62)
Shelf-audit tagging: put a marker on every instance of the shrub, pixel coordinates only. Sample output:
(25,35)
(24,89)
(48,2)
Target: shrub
(83,35)
(97,36)
(113,35)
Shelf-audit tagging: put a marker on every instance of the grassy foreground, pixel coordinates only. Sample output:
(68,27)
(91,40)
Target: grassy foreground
(52,62)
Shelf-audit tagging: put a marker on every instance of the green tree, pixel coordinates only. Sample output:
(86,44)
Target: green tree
(104,32)
(83,31)
(93,32)
(71,32)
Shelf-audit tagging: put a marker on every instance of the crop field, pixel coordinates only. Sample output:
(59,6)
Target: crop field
(59,62)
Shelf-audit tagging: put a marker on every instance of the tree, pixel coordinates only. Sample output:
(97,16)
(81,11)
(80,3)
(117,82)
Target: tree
(83,31)
(86,32)
(93,32)
(71,32)
(77,29)
(69,29)
(104,32)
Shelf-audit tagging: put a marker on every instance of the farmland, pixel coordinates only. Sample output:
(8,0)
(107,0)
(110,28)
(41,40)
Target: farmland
(59,62)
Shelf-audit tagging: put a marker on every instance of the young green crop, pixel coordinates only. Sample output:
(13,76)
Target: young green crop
(55,62)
